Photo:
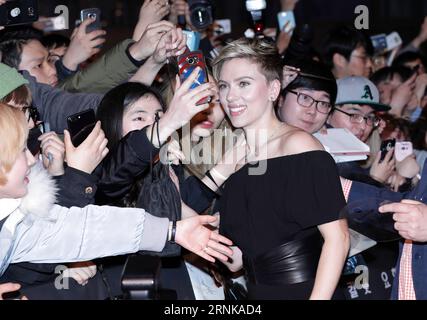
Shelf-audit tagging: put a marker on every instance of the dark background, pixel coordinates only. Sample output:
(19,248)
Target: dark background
(404,16)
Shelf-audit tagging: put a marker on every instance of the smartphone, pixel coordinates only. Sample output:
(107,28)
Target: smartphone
(255,5)
(222,26)
(379,42)
(402,150)
(286,17)
(91,13)
(393,41)
(386,145)
(80,125)
(187,62)
(16,12)
(53,23)
(193,39)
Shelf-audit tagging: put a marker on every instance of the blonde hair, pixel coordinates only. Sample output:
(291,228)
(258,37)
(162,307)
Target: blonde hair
(261,52)
(13,137)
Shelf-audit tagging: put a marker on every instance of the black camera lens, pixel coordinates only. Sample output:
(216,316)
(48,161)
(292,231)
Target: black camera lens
(201,15)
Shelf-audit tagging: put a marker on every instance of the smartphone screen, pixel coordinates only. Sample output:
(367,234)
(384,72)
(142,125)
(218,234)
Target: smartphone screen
(80,125)
(187,63)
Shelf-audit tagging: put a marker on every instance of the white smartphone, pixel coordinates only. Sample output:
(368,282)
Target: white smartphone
(53,23)
(402,150)
(379,42)
(222,26)
(393,41)
(288,17)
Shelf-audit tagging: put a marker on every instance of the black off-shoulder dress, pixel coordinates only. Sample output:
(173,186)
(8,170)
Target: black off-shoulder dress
(273,219)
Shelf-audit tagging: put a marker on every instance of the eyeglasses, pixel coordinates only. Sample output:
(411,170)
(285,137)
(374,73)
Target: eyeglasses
(364,58)
(306,101)
(359,118)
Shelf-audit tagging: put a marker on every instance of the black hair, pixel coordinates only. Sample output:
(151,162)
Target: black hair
(54,40)
(12,41)
(387,73)
(343,40)
(314,76)
(114,104)
(409,56)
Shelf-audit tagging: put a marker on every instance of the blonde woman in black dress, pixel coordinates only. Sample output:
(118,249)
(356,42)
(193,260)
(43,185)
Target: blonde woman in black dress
(281,207)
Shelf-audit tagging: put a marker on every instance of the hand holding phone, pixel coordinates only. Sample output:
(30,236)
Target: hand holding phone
(80,125)
(386,146)
(186,65)
(93,14)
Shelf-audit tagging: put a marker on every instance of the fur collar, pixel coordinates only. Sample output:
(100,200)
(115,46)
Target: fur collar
(41,194)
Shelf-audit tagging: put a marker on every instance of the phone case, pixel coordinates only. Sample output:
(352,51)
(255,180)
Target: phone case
(187,63)
(285,16)
(386,146)
(89,13)
(80,125)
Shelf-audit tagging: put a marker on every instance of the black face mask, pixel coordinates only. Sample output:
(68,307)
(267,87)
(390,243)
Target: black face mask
(33,144)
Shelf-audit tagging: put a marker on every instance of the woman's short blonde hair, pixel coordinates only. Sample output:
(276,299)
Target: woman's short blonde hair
(13,137)
(261,52)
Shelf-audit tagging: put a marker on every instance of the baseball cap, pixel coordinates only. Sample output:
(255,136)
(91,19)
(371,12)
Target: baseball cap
(359,90)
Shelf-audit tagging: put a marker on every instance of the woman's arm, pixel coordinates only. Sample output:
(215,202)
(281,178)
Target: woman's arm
(334,252)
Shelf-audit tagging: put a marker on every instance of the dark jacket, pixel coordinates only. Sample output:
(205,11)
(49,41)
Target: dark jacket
(130,160)
(55,105)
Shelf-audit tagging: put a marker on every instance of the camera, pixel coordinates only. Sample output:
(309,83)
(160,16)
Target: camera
(201,13)
(255,8)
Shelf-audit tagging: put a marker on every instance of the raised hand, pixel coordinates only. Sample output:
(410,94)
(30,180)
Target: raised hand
(151,11)
(83,45)
(90,153)
(53,153)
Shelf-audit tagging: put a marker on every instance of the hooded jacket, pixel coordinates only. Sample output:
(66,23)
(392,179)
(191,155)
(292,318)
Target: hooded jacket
(35,229)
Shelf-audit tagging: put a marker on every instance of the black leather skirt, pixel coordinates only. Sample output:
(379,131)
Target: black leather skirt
(290,263)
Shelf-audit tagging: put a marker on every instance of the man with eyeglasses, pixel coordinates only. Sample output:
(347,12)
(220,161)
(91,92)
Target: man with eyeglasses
(355,107)
(348,52)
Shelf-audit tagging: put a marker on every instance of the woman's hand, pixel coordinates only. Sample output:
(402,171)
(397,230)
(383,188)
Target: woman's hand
(151,11)
(408,167)
(381,171)
(53,152)
(194,236)
(183,106)
(82,272)
(235,261)
(171,44)
(10,287)
(88,155)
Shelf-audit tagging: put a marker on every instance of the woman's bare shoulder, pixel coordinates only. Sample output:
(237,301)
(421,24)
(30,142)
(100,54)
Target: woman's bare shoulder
(298,141)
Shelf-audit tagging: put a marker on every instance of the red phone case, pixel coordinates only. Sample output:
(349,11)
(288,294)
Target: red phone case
(187,62)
